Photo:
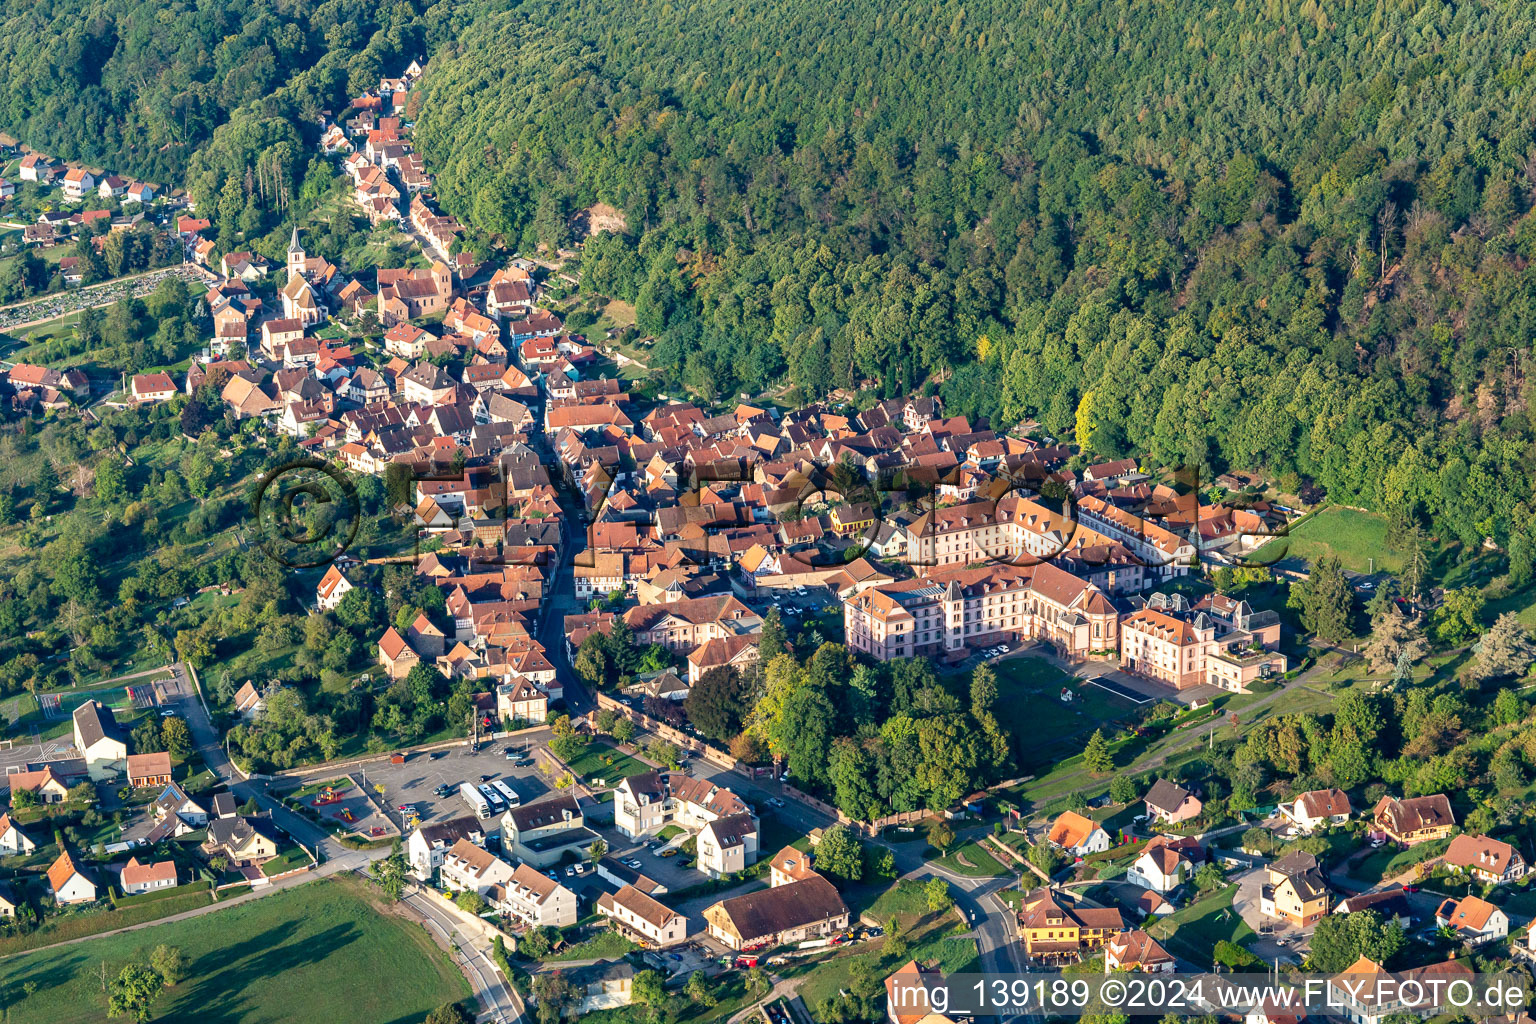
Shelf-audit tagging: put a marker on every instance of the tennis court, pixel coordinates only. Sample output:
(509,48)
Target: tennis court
(1120,690)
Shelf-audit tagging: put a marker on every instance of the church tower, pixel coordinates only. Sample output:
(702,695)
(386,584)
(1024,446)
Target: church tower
(296,257)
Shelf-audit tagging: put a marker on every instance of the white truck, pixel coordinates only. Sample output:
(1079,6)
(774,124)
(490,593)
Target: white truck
(475,799)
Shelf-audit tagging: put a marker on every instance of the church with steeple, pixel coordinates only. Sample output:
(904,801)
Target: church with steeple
(308,278)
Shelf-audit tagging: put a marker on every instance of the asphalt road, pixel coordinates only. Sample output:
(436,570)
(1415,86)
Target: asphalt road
(500,1002)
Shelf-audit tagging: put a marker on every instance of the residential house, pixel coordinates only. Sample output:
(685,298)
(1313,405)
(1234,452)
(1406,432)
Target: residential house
(406,341)
(396,655)
(1367,993)
(684,625)
(243,840)
(248,701)
(469,867)
(737,651)
(1054,929)
(1137,951)
(604,985)
(1413,820)
(10,901)
(49,786)
(149,770)
(642,919)
(427,845)
(100,741)
(426,384)
(1487,860)
(650,801)
(1316,808)
(543,833)
(807,909)
(1077,835)
(37,167)
(78,183)
(182,813)
(1165,863)
(727,845)
(790,865)
(521,701)
(68,883)
(1170,803)
(153,387)
(911,992)
(13,841)
(1475,920)
(534,898)
(136,878)
(333,586)
(1390,904)
(1294,890)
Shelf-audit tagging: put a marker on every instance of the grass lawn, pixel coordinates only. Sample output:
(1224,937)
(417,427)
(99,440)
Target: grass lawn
(973,861)
(600,761)
(927,933)
(1389,861)
(602,946)
(315,952)
(1359,539)
(1193,931)
(1029,705)
(94,922)
(288,860)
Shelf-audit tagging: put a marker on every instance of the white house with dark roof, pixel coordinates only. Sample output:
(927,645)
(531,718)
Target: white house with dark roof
(99,741)
(426,847)
(13,841)
(727,845)
(639,917)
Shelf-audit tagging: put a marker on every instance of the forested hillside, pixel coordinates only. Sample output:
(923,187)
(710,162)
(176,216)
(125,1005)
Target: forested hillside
(1163,224)
(185,94)
(1290,236)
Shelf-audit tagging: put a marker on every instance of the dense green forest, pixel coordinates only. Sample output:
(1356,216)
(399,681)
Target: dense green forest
(1270,235)
(191,93)
(1275,235)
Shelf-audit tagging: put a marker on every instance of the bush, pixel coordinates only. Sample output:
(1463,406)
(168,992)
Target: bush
(1230,954)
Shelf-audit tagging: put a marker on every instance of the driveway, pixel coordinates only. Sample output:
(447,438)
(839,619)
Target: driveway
(1271,932)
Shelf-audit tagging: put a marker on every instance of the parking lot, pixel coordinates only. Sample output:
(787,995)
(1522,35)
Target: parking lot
(413,782)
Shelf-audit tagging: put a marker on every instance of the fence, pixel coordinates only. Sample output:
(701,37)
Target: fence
(676,737)
(332,766)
